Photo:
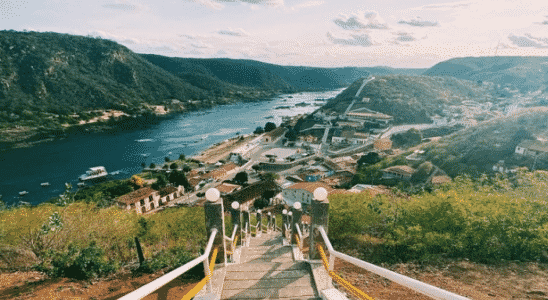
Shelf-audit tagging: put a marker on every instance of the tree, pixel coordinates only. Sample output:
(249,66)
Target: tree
(166,159)
(258,130)
(161,182)
(152,165)
(409,138)
(369,159)
(269,126)
(187,168)
(261,203)
(182,157)
(143,165)
(173,166)
(271,176)
(241,177)
(178,178)
(291,134)
(137,181)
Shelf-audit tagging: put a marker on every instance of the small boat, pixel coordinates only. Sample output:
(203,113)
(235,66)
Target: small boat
(23,193)
(94,174)
(270,117)
(115,173)
(44,184)
(145,154)
(81,184)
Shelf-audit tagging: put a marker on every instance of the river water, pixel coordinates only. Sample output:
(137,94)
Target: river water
(65,160)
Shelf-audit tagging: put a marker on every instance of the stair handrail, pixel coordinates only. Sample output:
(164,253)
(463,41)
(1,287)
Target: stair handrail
(152,286)
(420,287)
(299,236)
(232,241)
(246,232)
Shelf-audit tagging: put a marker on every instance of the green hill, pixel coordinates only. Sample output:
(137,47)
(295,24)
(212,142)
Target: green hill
(523,73)
(409,99)
(476,149)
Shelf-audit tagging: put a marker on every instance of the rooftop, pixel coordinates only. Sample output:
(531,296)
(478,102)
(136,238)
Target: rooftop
(534,145)
(310,186)
(402,170)
(135,196)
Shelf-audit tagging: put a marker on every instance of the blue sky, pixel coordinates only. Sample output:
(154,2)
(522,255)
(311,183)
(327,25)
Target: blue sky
(412,33)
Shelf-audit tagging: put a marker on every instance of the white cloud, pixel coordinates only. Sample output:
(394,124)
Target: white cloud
(528,41)
(200,45)
(402,36)
(359,39)
(233,32)
(446,6)
(418,22)
(307,4)
(216,4)
(361,20)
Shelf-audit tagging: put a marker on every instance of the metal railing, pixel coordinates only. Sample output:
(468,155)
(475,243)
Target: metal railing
(233,239)
(245,234)
(158,283)
(299,236)
(420,287)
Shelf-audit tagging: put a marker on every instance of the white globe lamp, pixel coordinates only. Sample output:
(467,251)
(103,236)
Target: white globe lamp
(284,211)
(212,195)
(297,205)
(235,205)
(320,194)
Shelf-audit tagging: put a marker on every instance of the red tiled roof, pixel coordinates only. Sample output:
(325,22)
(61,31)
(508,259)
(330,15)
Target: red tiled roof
(226,188)
(168,190)
(310,186)
(135,196)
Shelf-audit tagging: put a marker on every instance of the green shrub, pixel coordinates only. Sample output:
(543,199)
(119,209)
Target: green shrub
(86,263)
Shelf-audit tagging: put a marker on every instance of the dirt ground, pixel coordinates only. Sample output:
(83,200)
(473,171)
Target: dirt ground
(222,150)
(476,281)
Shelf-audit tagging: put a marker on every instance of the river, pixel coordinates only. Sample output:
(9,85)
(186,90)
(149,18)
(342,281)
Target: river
(63,161)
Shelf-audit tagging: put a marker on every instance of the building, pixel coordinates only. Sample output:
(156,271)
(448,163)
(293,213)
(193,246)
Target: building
(222,172)
(302,192)
(532,148)
(398,172)
(382,144)
(273,135)
(249,194)
(142,200)
(373,190)
(349,137)
(227,188)
(170,193)
(417,155)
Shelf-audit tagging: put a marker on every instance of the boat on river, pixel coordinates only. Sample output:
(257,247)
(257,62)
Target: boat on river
(94,174)
(44,184)
(23,193)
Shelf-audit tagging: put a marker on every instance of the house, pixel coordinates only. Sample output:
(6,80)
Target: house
(532,148)
(338,178)
(302,192)
(142,200)
(273,135)
(417,155)
(373,190)
(249,194)
(195,182)
(349,137)
(170,193)
(227,188)
(369,116)
(222,172)
(398,172)
(502,168)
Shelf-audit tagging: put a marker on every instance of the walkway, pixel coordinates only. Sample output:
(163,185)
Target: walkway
(267,270)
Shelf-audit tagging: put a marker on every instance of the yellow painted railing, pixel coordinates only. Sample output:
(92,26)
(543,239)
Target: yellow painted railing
(233,246)
(204,281)
(352,289)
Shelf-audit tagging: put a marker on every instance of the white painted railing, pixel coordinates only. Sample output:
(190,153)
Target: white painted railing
(231,240)
(150,287)
(421,287)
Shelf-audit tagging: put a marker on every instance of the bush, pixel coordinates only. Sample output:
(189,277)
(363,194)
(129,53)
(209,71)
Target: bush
(172,258)
(269,126)
(86,263)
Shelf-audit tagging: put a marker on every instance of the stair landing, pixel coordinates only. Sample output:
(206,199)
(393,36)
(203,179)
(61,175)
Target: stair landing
(267,270)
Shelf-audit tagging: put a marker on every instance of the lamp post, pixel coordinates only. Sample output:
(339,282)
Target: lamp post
(214,218)
(236,216)
(295,220)
(320,217)
(284,222)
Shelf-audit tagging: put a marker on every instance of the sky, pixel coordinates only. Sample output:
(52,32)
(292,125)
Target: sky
(395,33)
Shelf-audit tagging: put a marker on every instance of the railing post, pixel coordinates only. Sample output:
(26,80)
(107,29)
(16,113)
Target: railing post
(245,220)
(320,217)
(284,222)
(236,217)
(214,218)
(259,228)
(269,224)
(296,213)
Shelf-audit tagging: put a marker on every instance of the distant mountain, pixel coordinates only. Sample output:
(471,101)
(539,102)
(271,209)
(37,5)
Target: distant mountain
(260,75)
(476,149)
(524,73)
(409,99)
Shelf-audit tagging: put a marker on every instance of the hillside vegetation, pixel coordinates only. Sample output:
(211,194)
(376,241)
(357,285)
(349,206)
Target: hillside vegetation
(523,73)
(410,99)
(474,150)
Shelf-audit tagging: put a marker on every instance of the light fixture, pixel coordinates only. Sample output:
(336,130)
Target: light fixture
(297,205)
(290,213)
(235,205)
(284,211)
(320,194)
(213,195)
(259,211)
(269,213)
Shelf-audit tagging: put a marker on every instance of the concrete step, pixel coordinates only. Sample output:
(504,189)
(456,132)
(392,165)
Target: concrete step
(266,274)
(260,259)
(270,293)
(267,250)
(269,266)
(264,283)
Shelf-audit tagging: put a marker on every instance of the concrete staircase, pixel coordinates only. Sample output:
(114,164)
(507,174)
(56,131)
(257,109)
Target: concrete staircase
(267,270)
